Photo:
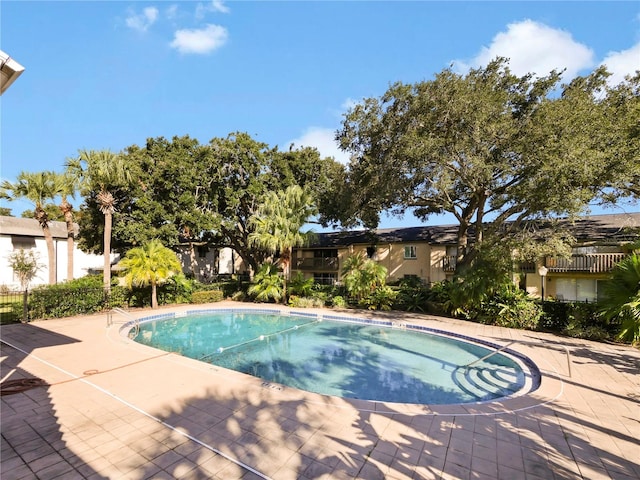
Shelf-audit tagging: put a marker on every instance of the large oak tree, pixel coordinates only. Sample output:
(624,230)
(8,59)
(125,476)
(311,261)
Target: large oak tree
(494,149)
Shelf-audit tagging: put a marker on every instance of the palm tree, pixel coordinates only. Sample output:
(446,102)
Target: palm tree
(151,264)
(39,188)
(267,283)
(65,185)
(362,275)
(277,225)
(100,172)
(622,297)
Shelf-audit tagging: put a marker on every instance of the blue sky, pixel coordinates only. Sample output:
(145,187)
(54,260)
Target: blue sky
(106,75)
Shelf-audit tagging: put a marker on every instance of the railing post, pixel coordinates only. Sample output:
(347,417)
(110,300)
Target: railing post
(25,305)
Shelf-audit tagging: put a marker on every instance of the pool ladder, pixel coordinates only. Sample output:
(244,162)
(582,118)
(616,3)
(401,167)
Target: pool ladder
(133,333)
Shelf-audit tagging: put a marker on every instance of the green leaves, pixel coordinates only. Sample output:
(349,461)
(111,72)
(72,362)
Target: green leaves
(151,264)
(490,148)
(622,298)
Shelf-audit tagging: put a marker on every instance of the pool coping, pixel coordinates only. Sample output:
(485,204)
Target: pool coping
(537,392)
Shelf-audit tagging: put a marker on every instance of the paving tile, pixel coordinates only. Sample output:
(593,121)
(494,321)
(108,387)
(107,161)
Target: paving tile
(299,435)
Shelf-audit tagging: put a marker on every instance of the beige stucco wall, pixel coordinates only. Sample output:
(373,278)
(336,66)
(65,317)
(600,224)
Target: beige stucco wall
(437,272)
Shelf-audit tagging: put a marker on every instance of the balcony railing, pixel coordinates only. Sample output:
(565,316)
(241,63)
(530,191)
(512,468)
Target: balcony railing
(449,263)
(588,262)
(317,264)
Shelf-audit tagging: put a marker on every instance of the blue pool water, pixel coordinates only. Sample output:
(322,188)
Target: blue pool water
(336,357)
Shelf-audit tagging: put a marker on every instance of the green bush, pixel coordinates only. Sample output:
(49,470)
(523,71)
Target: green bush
(207,296)
(412,298)
(577,319)
(382,298)
(339,301)
(305,302)
(513,310)
(178,289)
(80,296)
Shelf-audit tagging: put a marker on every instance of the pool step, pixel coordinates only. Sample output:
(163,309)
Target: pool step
(484,382)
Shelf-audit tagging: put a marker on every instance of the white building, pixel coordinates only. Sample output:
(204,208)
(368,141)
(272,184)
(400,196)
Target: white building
(26,233)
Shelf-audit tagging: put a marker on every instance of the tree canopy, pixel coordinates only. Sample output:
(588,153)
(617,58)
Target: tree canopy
(188,193)
(491,148)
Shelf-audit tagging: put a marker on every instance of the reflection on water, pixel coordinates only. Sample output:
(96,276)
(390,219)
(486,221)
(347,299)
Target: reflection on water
(341,359)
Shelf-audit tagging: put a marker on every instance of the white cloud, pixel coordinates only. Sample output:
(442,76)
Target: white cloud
(200,41)
(142,21)
(348,104)
(324,140)
(622,63)
(533,47)
(214,6)
(171,12)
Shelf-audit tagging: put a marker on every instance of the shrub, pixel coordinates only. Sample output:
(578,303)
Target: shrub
(305,302)
(382,298)
(412,298)
(300,286)
(207,296)
(81,296)
(339,301)
(575,319)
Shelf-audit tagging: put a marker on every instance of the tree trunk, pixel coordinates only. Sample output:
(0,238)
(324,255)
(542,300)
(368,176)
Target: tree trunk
(463,240)
(68,218)
(154,295)
(192,260)
(106,275)
(51,253)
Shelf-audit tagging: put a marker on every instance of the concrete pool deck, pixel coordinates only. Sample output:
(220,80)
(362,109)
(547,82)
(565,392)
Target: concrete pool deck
(112,408)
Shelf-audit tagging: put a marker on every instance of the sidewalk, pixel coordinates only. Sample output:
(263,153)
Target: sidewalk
(119,410)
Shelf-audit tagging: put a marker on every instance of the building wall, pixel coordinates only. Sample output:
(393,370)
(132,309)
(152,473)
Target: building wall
(82,262)
(211,261)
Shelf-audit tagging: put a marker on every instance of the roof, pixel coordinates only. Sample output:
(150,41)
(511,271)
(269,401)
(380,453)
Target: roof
(596,228)
(30,227)
(9,71)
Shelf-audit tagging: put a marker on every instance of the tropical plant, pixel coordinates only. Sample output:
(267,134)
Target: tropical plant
(277,225)
(39,188)
(25,266)
(301,286)
(361,275)
(151,264)
(267,284)
(99,172)
(621,302)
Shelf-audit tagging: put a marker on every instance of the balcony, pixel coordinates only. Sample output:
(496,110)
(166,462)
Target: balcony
(319,264)
(449,263)
(588,263)
(584,263)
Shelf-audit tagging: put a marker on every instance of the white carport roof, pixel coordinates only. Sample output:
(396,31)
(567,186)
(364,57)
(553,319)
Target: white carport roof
(9,71)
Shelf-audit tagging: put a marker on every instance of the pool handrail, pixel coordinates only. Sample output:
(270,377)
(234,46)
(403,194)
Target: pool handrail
(124,313)
(498,350)
(491,354)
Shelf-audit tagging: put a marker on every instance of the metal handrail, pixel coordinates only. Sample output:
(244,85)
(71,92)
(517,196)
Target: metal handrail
(498,350)
(124,313)
(489,354)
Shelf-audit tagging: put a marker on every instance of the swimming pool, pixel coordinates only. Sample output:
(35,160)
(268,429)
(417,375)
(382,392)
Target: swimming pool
(343,356)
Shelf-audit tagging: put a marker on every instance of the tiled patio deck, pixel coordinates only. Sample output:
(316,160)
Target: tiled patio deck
(116,409)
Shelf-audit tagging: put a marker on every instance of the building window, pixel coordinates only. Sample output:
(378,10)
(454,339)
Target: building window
(325,278)
(410,252)
(19,242)
(578,289)
(202,251)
